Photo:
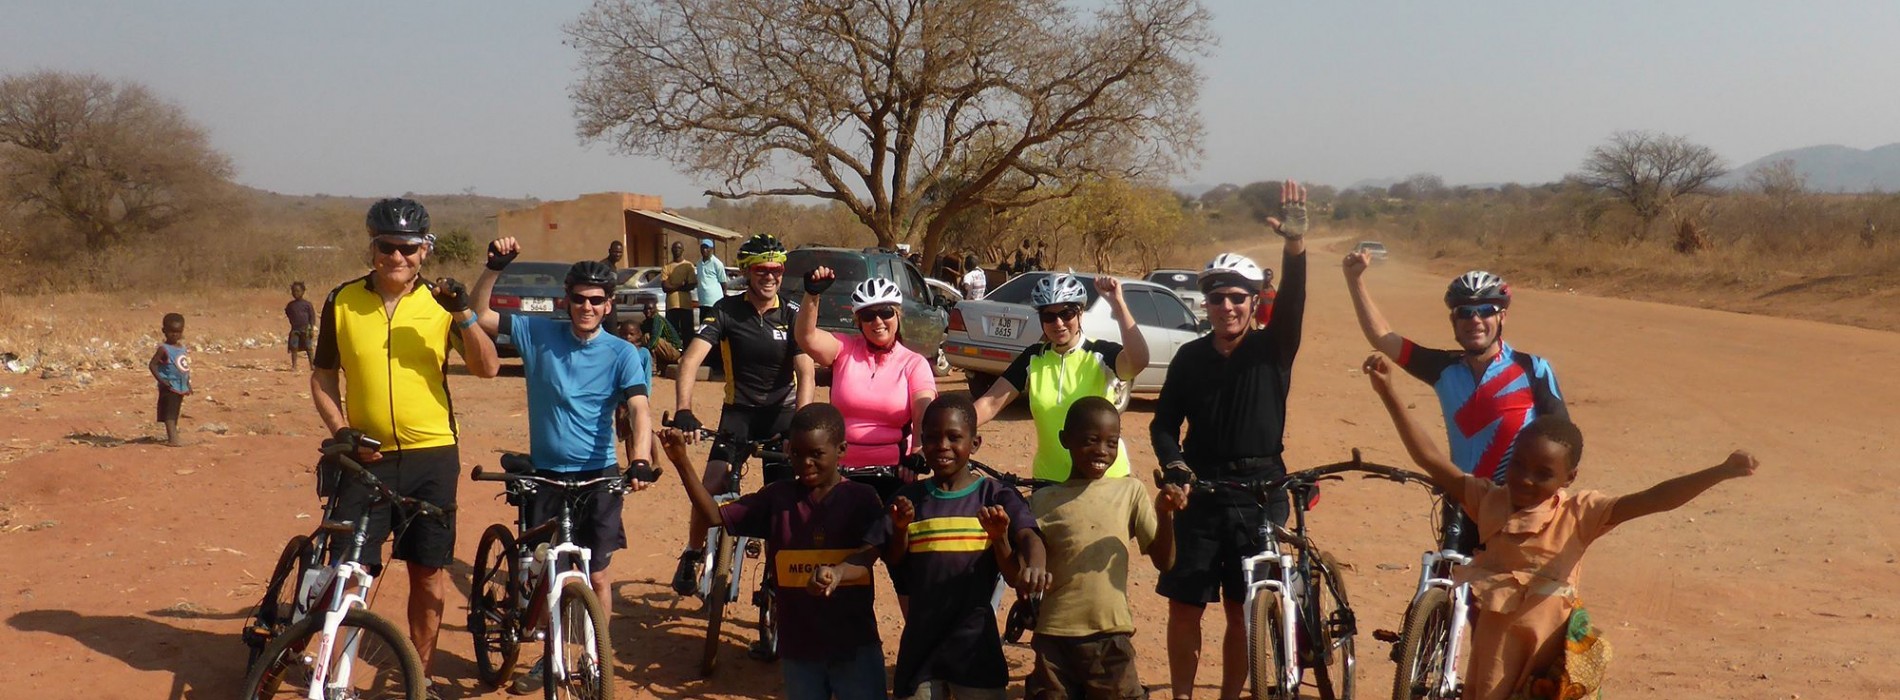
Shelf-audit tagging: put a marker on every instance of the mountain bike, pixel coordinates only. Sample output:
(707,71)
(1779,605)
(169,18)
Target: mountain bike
(1427,648)
(721,577)
(321,641)
(1022,612)
(535,585)
(1297,613)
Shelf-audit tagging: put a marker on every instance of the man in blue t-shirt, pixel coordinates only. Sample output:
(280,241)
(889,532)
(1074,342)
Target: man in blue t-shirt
(1487,390)
(577,375)
(711,273)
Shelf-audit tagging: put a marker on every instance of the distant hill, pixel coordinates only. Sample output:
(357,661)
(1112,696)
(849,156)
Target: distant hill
(1834,168)
(472,213)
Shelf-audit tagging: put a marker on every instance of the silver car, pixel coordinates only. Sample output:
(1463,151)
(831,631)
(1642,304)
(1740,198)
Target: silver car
(1186,284)
(986,335)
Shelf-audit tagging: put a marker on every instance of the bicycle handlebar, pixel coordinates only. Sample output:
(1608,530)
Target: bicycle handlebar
(616,482)
(344,454)
(1008,479)
(1328,472)
(756,447)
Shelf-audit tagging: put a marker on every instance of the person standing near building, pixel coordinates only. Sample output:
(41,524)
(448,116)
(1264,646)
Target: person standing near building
(712,278)
(678,279)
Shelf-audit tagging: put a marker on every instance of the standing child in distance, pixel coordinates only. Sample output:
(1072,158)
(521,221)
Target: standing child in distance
(1084,634)
(303,325)
(811,523)
(623,423)
(951,535)
(1533,533)
(171,367)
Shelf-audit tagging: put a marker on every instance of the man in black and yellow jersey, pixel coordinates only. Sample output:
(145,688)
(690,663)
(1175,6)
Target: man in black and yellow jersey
(383,342)
(767,377)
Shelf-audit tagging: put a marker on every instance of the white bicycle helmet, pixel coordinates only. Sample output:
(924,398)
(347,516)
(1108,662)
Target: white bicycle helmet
(1058,289)
(1478,287)
(876,291)
(1232,268)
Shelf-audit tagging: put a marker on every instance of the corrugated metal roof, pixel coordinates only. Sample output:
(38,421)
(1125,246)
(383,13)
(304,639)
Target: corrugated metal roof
(681,223)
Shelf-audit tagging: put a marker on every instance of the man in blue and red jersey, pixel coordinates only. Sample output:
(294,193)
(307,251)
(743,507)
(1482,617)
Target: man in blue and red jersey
(1487,390)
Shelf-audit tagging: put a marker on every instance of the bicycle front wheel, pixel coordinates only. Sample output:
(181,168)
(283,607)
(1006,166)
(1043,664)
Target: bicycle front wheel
(1423,646)
(279,605)
(494,607)
(722,565)
(1335,678)
(368,659)
(1266,648)
(586,654)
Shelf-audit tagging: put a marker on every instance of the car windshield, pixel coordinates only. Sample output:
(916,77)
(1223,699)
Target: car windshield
(1177,280)
(850,267)
(533,275)
(1016,291)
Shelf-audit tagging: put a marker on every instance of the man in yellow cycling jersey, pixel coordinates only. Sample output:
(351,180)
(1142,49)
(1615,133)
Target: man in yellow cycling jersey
(383,341)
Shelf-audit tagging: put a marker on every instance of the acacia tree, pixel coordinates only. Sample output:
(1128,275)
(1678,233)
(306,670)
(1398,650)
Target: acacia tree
(1649,172)
(908,112)
(109,160)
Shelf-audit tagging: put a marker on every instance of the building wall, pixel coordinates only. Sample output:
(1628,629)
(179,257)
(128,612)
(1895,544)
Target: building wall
(575,229)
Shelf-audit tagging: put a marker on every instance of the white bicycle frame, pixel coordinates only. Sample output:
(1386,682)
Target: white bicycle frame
(739,544)
(352,582)
(1270,573)
(557,577)
(1460,594)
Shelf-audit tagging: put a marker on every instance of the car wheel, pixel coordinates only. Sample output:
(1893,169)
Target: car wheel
(1124,392)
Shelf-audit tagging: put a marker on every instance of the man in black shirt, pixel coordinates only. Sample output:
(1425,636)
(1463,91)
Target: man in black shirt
(1230,387)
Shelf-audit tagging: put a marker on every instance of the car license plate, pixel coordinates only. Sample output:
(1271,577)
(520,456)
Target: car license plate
(1004,327)
(537,304)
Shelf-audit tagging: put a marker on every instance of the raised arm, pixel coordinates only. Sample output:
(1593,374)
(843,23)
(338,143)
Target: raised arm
(1418,443)
(1289,305)
(1134,355)
(674,444)
(501,251)
(1371,322)
(478,345)
(1674,493)
(821,345)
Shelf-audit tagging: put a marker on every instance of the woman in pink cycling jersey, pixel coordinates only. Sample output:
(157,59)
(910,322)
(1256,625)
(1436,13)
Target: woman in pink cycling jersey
(879,385)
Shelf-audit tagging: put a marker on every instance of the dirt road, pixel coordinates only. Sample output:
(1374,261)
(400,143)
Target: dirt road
(129,567)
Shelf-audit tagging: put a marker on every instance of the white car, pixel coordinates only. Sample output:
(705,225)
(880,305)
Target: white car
(1186,284)
(986,335)
(1372,248)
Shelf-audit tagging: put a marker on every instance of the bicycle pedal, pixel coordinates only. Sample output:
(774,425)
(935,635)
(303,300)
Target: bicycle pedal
(1387,636)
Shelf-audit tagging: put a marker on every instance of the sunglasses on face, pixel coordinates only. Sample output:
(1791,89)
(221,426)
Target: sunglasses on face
(1065,314)
(1224,298)
(1477,311)
(590,300)
(768,271)
(876,313)
(407,249)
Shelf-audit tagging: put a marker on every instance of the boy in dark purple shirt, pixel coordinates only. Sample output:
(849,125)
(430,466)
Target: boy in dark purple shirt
(303,325)
(811,523)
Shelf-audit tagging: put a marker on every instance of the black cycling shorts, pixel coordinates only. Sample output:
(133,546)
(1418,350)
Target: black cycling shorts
(428,474)
(1213,534)
(744,424)
(597,522)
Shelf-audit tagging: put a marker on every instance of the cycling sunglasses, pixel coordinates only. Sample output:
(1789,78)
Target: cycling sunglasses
(407,249)
(588,299)
(1065,314)
(768,270)
(1233,298)
(1477,311)
(876,313)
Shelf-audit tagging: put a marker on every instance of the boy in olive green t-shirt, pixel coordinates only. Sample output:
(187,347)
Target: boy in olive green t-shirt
(1083,635)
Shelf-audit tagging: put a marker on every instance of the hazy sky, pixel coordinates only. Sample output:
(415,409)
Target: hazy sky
(369,98)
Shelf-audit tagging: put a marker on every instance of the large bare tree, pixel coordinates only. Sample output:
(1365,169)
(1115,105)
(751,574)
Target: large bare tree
(108,160)
(1650,171)
(908,112)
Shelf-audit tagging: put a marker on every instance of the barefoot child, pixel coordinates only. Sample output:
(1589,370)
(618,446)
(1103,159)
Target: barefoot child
(1084,646)
(172,368)
(1534,532)
(950,536)
(303,325)
(811,523)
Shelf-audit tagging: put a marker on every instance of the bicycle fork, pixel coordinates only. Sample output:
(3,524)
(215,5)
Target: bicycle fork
(559,575)
(346,594)
(1432,575)
(1266,573)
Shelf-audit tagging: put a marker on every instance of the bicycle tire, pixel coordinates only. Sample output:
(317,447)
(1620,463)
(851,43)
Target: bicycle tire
(1422,646)
(274,611)
(768,622)
(582,616)
(494,607)
(1337,678)
(716,600)
(397,675)
(1266,654)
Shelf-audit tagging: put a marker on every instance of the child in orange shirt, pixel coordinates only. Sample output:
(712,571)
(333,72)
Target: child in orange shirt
(1534,533)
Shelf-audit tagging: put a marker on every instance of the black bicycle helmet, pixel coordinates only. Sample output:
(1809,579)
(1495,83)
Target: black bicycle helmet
(761,249)
(1478,287)
(590,273)
(398,216)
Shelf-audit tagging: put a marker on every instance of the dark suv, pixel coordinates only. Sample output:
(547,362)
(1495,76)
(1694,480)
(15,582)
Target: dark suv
(924,315)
